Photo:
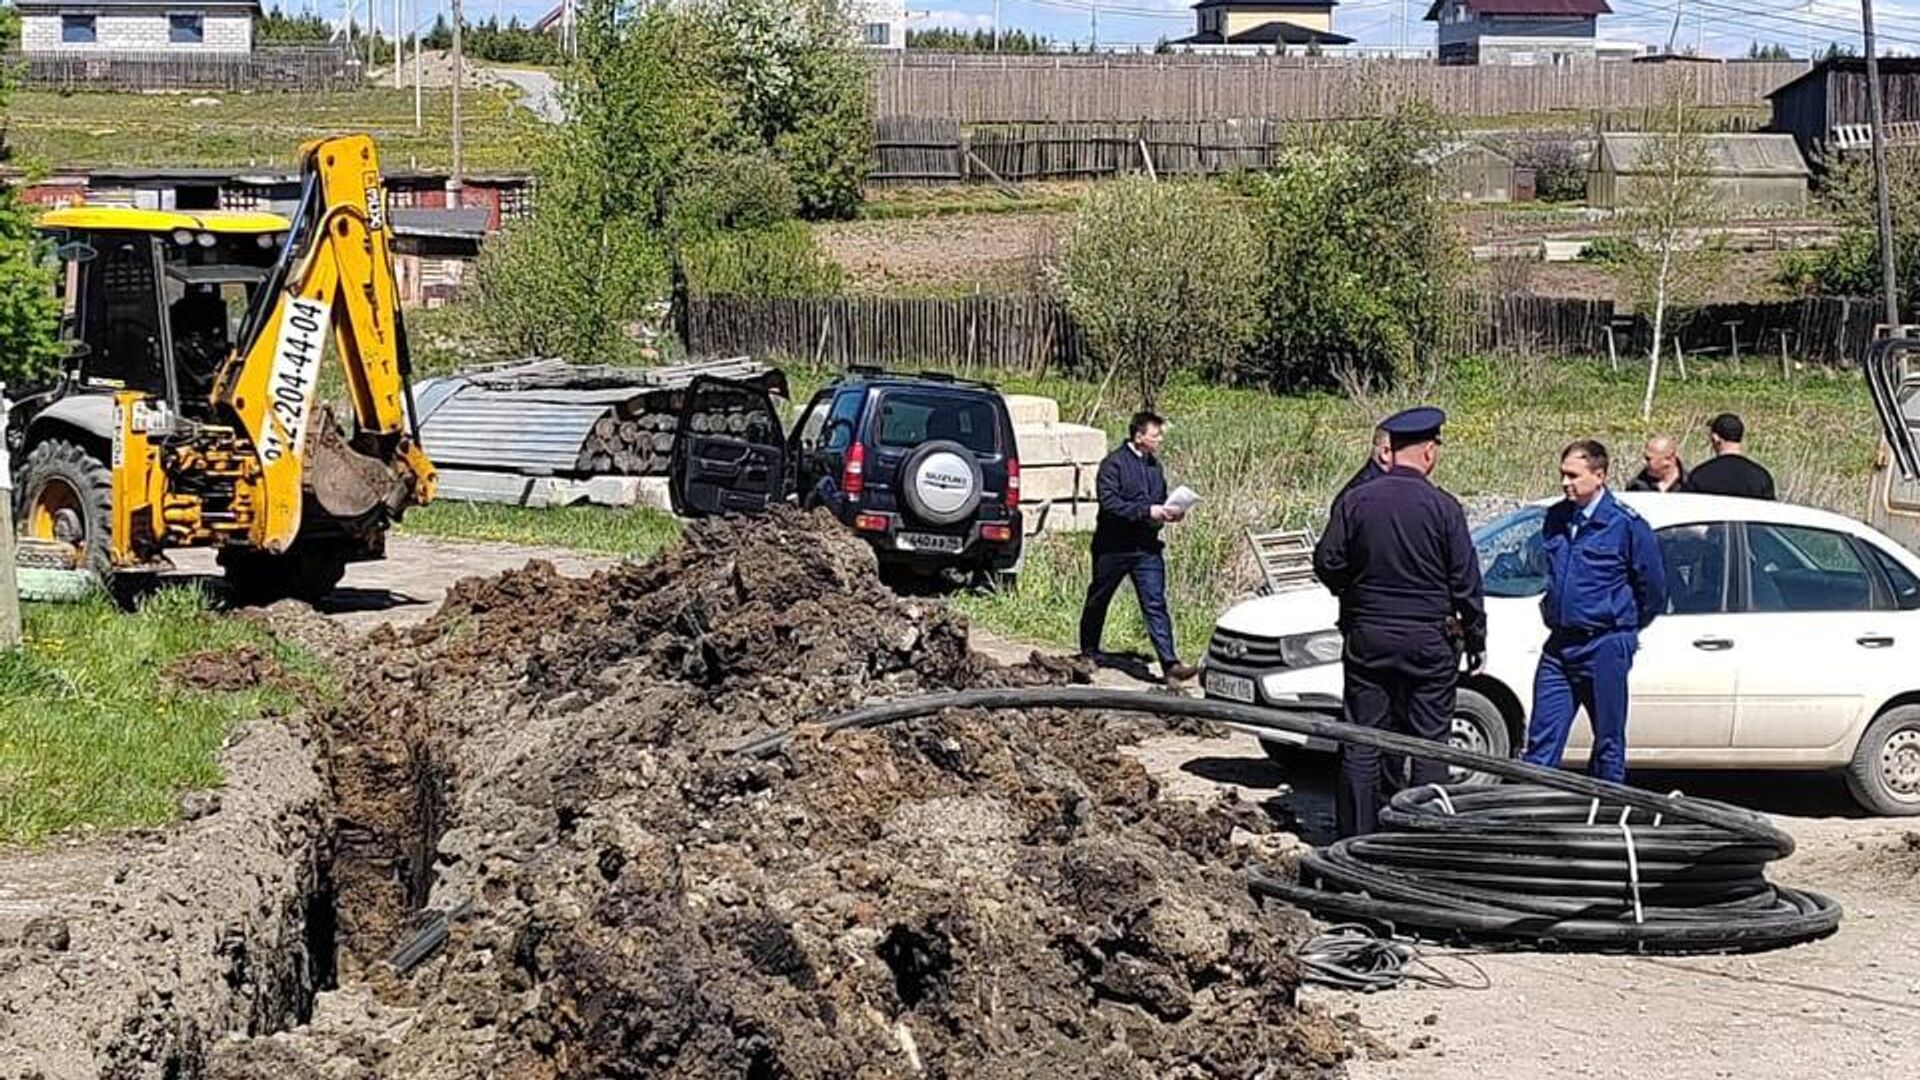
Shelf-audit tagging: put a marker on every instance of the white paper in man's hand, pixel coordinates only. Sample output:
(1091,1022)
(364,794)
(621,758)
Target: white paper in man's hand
(1183,499)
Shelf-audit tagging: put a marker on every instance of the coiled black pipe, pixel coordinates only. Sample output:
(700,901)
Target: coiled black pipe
(1553,861)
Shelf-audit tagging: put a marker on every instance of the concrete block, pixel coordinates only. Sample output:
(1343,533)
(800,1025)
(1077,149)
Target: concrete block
(1032,409)
(1052,482)
(1562,251)
(1050,444)
(1059,517)
(477,485)
(653,493)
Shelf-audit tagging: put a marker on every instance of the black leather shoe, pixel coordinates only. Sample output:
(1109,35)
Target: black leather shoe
(1178,672)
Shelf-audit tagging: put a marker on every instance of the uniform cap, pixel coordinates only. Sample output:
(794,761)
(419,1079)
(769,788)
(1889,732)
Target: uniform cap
(1419,424)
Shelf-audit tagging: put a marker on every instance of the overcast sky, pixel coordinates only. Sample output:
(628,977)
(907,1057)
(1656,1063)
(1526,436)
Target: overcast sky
(1722,27)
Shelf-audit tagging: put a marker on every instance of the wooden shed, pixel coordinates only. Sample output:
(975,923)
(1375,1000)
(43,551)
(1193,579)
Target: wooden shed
(1826,111)
(1745,171)
(1471,172)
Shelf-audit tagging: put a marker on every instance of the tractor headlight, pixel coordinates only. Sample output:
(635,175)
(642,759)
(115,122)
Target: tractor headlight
(265,240)
(183,237)
(205,239)
(1311,650)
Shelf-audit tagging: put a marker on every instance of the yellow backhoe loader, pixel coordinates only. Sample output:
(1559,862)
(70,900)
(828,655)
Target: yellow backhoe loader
(187,413)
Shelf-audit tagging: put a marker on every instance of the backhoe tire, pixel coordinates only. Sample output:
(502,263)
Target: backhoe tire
(306,572)
(65,493)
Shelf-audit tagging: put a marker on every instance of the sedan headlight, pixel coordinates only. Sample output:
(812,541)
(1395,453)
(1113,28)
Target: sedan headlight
(1311,650)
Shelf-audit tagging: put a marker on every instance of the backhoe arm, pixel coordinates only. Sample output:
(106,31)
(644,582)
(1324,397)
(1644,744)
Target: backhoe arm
(335,273)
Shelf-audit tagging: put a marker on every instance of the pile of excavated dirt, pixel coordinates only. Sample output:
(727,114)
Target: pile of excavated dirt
(544,764)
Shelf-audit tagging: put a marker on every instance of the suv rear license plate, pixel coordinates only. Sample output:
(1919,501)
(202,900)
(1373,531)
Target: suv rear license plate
(919,541)
(1231,687)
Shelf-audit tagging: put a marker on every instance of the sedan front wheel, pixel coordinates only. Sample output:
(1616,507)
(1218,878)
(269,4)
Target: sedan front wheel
(1885,773)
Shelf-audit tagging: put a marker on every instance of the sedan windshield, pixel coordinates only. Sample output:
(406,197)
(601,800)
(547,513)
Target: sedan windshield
(1510,553)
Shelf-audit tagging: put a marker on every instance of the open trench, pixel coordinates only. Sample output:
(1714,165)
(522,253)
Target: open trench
(540,767)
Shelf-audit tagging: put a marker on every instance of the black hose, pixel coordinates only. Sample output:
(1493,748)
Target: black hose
(1558,861)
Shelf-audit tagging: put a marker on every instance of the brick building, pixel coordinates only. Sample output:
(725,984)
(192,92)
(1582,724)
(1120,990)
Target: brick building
(112,27)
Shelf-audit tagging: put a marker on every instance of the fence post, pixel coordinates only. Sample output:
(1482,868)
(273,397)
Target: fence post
(1786,369)
(1613,357)
(1679,357)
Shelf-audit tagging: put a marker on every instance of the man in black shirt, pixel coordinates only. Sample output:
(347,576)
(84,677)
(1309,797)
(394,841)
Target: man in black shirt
(1730,471)
(1127,544)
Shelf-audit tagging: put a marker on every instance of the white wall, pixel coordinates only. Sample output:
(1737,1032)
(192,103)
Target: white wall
(139,31)
(892,13)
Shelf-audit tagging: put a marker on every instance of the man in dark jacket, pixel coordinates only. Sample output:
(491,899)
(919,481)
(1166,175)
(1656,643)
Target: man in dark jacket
(1379,460)
(1664,470)
(1605,583)
(1398,555)
(1730,471)
(1127,544)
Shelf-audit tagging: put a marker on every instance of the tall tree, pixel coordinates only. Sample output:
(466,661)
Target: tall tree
(29,313)
(1668,255)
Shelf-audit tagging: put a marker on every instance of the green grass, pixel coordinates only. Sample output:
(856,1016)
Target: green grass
(1263,461)
(635,532)
(263,130)
(91,734)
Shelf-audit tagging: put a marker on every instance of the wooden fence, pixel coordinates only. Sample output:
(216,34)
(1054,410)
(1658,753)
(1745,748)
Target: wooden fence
(301,69)
(1033,333)
(1019,89)
(916,150)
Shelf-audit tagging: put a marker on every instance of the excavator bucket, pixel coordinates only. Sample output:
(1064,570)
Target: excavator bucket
(1893,379)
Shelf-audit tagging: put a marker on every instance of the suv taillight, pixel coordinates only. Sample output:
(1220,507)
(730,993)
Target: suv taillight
(1013,483)
(852,475)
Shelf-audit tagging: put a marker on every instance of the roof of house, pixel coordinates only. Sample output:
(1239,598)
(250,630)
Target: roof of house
(1277,32)
(1527,7)
(1266,5)
(1753,154)
(88,6)
(1889,65)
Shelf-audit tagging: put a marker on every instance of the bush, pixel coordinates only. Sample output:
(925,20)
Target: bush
(1559,170)
(804,92)
(780,260)
(1362,257)
(1161,277)
(1851,266)
(29,314)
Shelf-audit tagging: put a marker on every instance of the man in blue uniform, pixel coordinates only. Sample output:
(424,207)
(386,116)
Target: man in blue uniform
(1398,555)
(1127,544)
(1605,584)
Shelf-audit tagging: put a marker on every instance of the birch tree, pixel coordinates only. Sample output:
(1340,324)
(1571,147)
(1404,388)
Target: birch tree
(1669,256)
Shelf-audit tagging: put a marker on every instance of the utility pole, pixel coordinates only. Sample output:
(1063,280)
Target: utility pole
(1673,32)
(459,76)
(996,25)
(399,42)
(1095,46)
(1878,117)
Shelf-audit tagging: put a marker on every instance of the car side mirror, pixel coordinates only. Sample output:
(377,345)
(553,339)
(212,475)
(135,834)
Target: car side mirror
(76,251)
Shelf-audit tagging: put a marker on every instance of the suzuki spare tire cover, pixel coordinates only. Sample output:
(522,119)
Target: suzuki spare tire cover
(941,483)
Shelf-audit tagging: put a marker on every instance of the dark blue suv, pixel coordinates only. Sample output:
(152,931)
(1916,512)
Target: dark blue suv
(925,467)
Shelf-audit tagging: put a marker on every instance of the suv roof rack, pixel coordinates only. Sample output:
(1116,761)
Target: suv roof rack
(876,371)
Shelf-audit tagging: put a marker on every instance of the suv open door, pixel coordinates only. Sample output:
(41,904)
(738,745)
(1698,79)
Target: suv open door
(730,454)
(1893,380)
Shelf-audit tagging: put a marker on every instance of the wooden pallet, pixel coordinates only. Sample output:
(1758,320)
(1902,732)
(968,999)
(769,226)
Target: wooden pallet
(1285,557)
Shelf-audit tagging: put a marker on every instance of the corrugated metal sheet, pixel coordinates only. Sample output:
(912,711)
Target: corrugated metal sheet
(534,416)
(506,431)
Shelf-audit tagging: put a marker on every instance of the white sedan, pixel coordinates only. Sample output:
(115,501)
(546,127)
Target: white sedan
(1791,641)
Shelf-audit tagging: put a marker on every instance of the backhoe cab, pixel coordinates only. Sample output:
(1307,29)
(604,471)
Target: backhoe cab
(188,411)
